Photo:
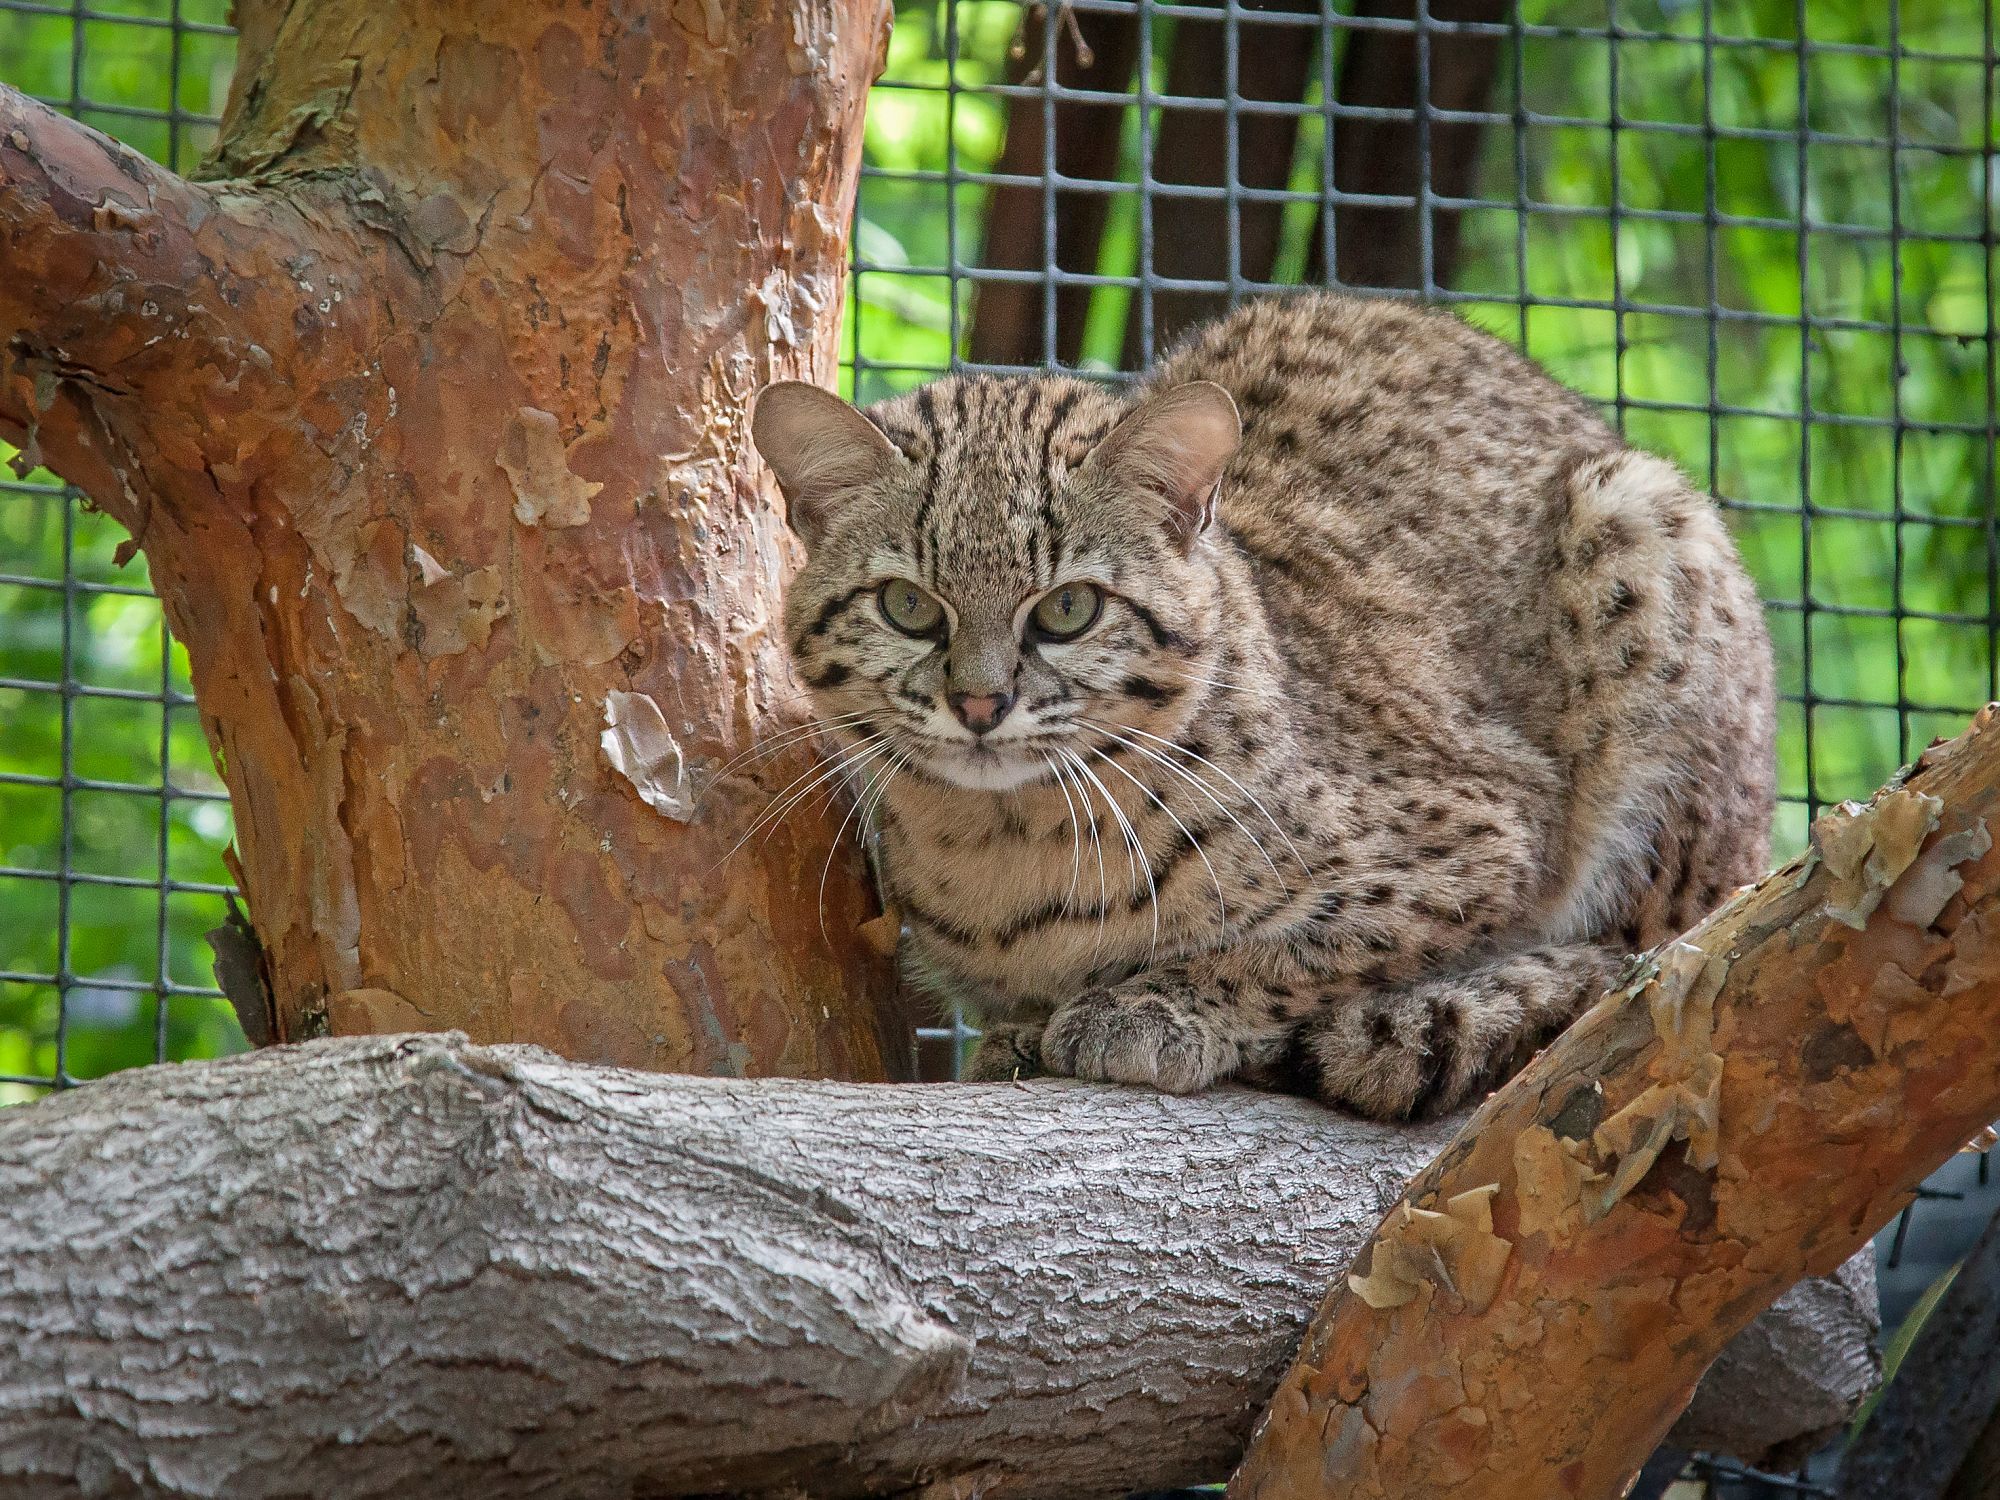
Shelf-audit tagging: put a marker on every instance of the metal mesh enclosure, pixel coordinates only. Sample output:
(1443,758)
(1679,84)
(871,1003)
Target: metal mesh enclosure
(112,819)
(1759,232)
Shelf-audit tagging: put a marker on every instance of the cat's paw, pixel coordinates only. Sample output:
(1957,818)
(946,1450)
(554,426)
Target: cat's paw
(1377,1061)
(1005,1052)
(1113,1036)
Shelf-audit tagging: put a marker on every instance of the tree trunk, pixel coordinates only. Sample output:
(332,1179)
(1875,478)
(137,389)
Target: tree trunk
(1398,69)
(1245,59)
(408,1267)
(1015,322)
(1931,1419)
(1394,148)
(1820,1044)
(428,411)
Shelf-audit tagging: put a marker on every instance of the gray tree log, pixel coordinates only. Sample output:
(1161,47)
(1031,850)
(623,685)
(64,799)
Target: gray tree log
(1935,1413)
(406,1266)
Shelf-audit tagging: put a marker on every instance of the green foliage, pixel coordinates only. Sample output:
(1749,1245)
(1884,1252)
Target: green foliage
(1840,403)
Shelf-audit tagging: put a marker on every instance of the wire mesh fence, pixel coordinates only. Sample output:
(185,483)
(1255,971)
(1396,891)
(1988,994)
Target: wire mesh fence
(1759,232)
(112,820)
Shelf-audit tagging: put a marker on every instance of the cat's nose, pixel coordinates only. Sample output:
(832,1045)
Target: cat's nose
(980,712)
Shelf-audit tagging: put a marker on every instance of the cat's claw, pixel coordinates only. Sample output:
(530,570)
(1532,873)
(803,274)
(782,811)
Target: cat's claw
(1113,1037)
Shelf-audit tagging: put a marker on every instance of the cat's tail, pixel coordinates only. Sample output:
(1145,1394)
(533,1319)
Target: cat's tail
(1426,1047)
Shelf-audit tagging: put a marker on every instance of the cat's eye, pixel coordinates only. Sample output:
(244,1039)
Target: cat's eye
(907,607)
(1064,613)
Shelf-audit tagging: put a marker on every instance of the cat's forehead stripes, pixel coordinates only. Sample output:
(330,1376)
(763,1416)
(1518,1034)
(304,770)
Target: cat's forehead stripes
(992,454)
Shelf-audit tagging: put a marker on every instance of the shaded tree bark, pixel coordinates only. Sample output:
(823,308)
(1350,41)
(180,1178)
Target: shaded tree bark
(1011,322)
(1193,149)
(1932,1418)
(1398,73)
(1390,76)
(427,409)
(414,1266)
(1749,1108)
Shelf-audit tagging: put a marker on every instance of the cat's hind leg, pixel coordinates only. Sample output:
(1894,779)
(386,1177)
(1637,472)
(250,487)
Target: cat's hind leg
(1422,1048)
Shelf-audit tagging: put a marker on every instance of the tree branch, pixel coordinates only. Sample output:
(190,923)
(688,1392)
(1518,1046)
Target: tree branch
(101,263)
(402,1266)
(1820,1044)
(122,302)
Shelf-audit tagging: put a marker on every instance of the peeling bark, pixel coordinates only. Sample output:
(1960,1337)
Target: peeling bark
(427,409)
(1758,1099)
(395,1267)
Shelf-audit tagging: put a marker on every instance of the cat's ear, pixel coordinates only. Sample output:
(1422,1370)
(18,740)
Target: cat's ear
(819,447)
(1174,445)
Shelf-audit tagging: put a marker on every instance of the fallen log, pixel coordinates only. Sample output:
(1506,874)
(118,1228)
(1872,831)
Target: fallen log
(398,1266)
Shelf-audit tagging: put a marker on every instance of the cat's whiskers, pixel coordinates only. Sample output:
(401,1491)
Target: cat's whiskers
(1252,796)
(831,787)
(813,777)
(898,764)
(785,740)
(1199,784)
(1221,907)
(1097,847)
(1135,851)
(1075,835)
(877,783)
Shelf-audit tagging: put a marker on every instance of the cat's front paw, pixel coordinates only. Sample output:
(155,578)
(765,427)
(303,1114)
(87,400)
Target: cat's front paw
(1006,1052)
(1112,1036)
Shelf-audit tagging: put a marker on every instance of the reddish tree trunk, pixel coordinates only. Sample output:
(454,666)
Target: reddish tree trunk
(428,410)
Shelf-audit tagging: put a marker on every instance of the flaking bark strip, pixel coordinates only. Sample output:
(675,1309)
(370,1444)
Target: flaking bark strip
(1866,848)
(536,462)
(640,748)
(1454,1253)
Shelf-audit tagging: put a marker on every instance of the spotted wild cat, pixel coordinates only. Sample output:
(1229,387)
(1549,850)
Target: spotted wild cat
(1346,747)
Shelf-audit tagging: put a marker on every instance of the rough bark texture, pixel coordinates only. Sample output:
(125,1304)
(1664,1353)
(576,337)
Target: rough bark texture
(1749,1109)
(428,411)
(1946,1393)
(415,1266)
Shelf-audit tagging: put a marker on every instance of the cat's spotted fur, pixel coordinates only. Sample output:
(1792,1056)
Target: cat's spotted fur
(1455,701)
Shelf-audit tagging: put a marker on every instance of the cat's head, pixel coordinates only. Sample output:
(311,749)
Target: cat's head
(1000,571)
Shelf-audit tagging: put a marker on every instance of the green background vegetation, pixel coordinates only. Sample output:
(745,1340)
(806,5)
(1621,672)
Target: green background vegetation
(1840,404)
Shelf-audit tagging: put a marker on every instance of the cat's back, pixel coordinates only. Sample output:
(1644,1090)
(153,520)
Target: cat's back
(1387,428)
(1406,480)
(1428,518)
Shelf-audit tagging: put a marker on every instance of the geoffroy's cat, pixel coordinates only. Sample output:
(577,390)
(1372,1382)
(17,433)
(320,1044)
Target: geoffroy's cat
(1333,710)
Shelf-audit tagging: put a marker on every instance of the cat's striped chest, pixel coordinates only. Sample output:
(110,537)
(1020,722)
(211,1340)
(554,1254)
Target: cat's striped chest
(1030,897)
